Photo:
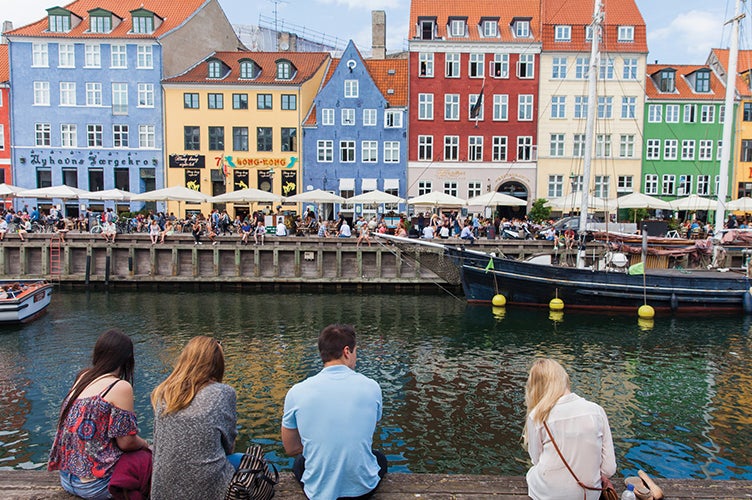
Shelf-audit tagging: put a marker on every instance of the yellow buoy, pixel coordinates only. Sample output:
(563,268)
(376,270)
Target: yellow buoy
(499,312)
(556,316)
(499,300)
(645,324)
(556,304)
(646,312)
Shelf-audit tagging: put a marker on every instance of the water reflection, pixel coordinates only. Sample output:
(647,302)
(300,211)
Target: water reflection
(452,374)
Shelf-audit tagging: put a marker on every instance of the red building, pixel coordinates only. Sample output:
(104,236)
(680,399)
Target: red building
(460,50)
(5,169)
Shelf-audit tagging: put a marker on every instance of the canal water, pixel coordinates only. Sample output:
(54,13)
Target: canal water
(677,394)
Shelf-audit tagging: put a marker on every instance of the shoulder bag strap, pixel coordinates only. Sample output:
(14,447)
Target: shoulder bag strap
(556,447)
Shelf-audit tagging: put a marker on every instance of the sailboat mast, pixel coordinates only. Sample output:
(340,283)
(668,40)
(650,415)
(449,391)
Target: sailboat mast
(728,118)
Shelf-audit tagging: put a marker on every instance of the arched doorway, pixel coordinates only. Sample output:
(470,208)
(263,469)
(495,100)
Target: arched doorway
(518,190)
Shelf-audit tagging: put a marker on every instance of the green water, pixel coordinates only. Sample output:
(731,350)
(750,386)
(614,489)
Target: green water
(677,395)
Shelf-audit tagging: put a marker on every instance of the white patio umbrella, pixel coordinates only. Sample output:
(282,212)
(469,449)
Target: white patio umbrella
(8,190)
(638,200)
(111,195)
(174,193)
(375,197)
(740,205)
(315,196)
(437,199)
(694,202)
(62,192)
(494,198)
(248,195)
(573,201)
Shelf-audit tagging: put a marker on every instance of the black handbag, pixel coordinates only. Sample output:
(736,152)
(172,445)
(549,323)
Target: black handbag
(253,479)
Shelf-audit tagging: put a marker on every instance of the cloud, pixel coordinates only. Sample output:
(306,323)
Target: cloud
(26,12)
(689,37)
(364,4)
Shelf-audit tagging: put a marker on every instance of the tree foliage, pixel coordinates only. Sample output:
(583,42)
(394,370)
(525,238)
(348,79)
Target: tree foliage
(539,212)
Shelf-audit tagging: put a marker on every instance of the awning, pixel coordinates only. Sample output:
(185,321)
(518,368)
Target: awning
(368,185)
(391,184)
(347,184)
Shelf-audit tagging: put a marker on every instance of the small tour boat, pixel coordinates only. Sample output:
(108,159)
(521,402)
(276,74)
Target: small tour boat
(22,301)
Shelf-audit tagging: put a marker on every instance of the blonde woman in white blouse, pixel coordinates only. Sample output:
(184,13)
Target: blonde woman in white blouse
(580,429)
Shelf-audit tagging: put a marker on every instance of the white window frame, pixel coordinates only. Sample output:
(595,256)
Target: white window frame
(119,98)
(370,117)
(66,53)
(369,151)
(347,117)
(68,135)
(41,93)
(324,151)
(688,150)
(655,113)
(630,68)
(555,186)
(525,104)
(501,107)
(705,150)
(558,107)
(670,149)
(476,64)
(425,106)
(452,67)
(499,67)
(653,149)
(425,61)
(475,148)
(118,56)
(391,151)
(499,148)
(526,67)
(559,68)
(556,145)
(92,55)
(352,89)
(628,107)
(145,57)
(40,57)
(451,107)
(347,151)
(145,95)
(392,118)
(93,93)
(651,184)
(451,146)
(605,107)
(668,185)
(672,113)
(147,137)
(562,33)
(327,116)
(67,93)
(707,113)
(626,146)
(425,148)
(625,34)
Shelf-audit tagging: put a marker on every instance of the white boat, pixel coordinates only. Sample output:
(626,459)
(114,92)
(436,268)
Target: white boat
(23,300)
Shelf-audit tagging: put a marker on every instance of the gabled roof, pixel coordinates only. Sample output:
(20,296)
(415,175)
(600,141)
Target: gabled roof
(305,63)
(171,13)
(579,13)
(476,10)
(4,63)
(684,89)
(389,75)
(744,65)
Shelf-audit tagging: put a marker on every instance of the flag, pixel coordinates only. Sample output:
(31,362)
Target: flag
(475,110)
(638,268)
(490,266)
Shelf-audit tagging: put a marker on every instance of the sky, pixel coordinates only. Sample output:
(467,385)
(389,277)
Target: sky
(679,31)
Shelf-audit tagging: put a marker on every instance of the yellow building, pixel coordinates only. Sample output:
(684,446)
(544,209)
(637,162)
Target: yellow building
(233,121)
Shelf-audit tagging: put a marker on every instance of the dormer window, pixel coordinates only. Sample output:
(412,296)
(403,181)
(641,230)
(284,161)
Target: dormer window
(588,33)
(562,33)
(59,20)
(457,27)
(626,34)
(426,29)
(100,21)
(248,70)
(702,81)
(215,69)
(521,28)
(490,28)
(285,70)
(143,21)
(667,80)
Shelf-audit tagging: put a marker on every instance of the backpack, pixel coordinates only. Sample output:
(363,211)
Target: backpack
(252,480)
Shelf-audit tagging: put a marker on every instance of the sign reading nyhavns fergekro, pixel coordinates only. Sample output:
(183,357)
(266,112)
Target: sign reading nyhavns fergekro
(90,159)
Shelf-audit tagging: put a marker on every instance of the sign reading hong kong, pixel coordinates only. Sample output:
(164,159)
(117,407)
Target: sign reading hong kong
(90,159)
(241,161)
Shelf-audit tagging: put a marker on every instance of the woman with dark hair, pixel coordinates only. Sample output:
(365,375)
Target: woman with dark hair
(97,423)
(194,426)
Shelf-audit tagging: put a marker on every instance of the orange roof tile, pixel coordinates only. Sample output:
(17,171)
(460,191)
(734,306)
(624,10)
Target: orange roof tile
(172,13)
(4,63)
(684,90)
(390,76)
(744,65)
(306,63)
(474,11)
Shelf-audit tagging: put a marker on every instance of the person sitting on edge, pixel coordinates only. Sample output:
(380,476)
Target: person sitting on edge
(324,229)
(109,231)
(168,230)
(344,229)
(245,231)
(61,228)
(154,231)
(467,233)
(428,232)
(259,233)
(3,228)
(281,228)
(329,420)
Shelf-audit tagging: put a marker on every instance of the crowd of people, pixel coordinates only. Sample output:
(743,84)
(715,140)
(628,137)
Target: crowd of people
(327,425)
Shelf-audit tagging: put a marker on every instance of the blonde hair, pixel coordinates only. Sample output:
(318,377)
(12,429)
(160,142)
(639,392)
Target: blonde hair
(200,363)
(547,382)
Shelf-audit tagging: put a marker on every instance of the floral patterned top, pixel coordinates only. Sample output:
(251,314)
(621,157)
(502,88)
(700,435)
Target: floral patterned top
(85,443)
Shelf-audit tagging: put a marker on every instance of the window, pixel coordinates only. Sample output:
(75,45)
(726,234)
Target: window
(239,101)
(391,152)
(41,93)
(215,101)
(655,113)
(684,188)
(559,68)
(248,70)
(351,88)
(289,139)
(118,57)
(93,94)
(190,100)
(477,63)
(66,56)
(581,68)
(605,107)
(39,56)
(628,107)
(474,188)
(347,151)
(688,150)
(145,59)
(119,98)
(526,66)
(603,145)
(555,186)
(214,69)
(369,151)
(524,148)
(747,116)
(450,188)
(425,64)
(624,184)
(475,148)
(580,107)
(626,146)
(191,138)
(348,116)
(67,93)
(263,101)
(92,56)
(558,106)
(325,151)
(42,134)
(707,113)
(670,149)
(146,95)
(59,23)
(499,148)
(216,138)
(562,33)
(672,113)
(284,70)
(706,150)
(452,65)
(703,185)
(702,81)
(653,149)
(651,184)
(100,24)
(522,29)
(500,66)
(630,69)
(472,101)
(426,29)
(289,102)
(525,107)
(68,137)
(425,147)
(607,68)
(263,139)
(451,147)
(120,136)
(456,27)
(327,116)
(556,148)
(690,113)
(490,28)
(369,117)
(425,106)
(143,24)
(602,184)
(625,34)
(667,81)
(578,145)
(393,119)
(746,151)
(721,113)
(588,33)
(424,187)
(668,184)
(500,107)
(240,138)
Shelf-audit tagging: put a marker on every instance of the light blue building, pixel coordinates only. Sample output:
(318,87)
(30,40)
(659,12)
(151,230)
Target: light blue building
(355,135)
(86,97)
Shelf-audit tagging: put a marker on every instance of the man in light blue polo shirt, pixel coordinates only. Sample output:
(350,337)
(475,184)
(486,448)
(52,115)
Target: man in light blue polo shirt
(328,423)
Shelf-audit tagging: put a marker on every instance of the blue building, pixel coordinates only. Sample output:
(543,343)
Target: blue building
(86,98)
(355,135)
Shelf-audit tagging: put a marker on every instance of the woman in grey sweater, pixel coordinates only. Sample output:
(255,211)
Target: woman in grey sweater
(194,426)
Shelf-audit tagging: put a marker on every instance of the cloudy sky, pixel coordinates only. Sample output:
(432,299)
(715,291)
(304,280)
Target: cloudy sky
(679,31)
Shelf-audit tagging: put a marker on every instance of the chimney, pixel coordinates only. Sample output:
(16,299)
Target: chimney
(7,26)
(378,34)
